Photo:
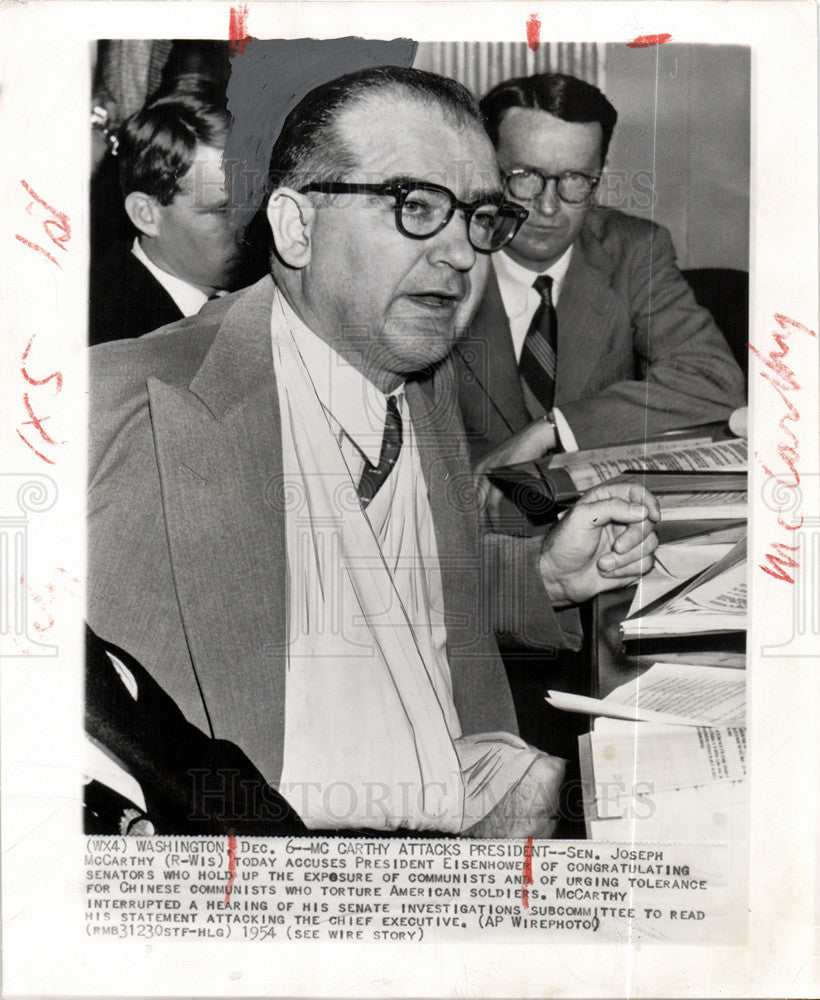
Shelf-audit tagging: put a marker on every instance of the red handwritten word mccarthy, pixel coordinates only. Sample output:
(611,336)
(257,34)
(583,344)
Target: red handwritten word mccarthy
(34,420)
(782,379)
(58,228)
(533,32)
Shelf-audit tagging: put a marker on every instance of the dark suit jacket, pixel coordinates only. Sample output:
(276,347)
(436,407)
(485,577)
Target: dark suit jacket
(636,354)
(126,300)
(187,536)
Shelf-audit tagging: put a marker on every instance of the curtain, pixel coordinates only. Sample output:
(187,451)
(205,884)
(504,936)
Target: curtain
(481,65)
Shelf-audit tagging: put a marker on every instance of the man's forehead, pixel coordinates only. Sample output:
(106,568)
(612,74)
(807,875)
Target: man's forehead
(531,135)
(394,133)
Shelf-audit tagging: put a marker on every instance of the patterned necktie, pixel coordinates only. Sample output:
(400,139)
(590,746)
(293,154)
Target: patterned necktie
(537,365)
(374,475)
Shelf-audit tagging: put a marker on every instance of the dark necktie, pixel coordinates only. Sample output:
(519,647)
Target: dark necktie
(374,475)
(538,355)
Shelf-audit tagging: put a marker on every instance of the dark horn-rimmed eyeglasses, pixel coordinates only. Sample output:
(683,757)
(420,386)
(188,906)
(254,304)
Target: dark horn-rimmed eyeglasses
(573,186)
(423,209)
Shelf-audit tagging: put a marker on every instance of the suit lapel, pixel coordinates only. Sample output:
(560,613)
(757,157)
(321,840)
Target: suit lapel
(480,691)
(588,312)
(218,445)
(489,354)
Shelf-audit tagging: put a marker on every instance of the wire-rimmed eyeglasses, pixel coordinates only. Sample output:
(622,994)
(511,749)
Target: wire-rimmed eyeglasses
(573,186)
(423,209)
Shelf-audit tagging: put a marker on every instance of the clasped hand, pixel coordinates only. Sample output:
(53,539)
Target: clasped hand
(606,540)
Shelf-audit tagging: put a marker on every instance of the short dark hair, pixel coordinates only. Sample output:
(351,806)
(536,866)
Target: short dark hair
(566,97)
(157,145)
(310,148)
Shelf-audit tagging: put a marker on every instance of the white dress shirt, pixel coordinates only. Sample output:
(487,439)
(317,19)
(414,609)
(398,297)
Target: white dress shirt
(521,301)
(370,721)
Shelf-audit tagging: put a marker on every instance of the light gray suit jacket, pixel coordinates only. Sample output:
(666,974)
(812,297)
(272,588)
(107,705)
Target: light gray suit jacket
(636,354)
(187,540)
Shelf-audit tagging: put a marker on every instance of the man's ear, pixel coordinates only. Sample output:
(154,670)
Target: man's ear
(290,217)
(143,211)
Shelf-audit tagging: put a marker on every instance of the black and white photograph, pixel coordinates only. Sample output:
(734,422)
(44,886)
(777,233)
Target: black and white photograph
(352,656)
(408,540)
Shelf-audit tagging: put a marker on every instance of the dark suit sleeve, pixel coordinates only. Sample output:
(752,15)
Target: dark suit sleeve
(192,784)
(684,372)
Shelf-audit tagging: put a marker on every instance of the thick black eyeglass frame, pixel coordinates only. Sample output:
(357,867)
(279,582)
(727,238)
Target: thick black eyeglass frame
(400,189)
(594,179)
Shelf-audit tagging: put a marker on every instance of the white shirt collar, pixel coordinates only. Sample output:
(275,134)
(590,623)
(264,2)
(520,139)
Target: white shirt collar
(188,298)
(514,281)
(356,405)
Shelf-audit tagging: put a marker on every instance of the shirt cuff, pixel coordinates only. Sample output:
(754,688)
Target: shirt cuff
(565,436)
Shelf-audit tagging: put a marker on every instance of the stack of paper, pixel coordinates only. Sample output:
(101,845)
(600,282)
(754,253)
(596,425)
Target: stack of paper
(680,775)
(673,693)
(712,600)
(666,782)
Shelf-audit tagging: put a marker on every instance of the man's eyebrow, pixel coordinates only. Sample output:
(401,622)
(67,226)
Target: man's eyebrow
(484,194)
(475,195)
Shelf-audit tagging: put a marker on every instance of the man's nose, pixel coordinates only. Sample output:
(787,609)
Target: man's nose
(548,203)
(452,245)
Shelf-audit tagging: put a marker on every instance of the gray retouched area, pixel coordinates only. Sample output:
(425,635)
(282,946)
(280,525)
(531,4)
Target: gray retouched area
(267,81)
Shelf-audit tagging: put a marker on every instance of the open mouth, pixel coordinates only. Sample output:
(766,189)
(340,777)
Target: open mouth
(436,300)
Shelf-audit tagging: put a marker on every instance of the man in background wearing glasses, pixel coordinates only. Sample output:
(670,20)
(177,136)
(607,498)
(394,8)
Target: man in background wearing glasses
(588,333)
(282,526)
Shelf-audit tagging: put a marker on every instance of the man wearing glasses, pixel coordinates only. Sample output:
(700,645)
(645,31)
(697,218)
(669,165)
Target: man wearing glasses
(281,529)
(588,333)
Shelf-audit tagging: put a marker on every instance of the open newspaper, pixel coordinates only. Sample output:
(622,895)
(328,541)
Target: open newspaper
(694,481)
(712,600)
(704,457)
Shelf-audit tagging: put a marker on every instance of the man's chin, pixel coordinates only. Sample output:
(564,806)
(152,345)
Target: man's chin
(537,254)
(427,348)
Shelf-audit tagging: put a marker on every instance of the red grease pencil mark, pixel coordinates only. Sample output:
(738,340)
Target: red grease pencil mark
(526,874)
(33,381)
(647,41)
(238,29)
(58,228)
(782,379)
(37,422)
(779,563)
(34,420)
(231,865)
(36,246)
(43,599)
(39,454)
(533,32)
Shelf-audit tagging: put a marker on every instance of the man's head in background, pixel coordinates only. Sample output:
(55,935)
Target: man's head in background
(173,184)
(551,133)
(386,200)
